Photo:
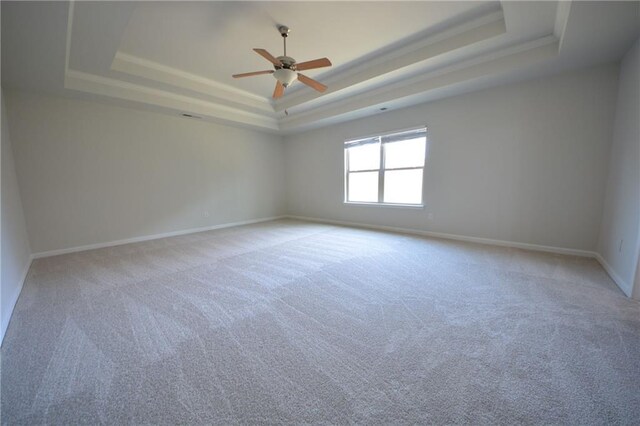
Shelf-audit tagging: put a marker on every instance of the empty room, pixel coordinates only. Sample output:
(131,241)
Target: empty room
(331,212)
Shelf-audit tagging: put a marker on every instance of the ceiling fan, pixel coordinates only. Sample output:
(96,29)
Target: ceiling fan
(286,68)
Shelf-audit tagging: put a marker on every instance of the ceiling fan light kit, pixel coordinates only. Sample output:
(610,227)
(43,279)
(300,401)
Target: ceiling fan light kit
(286,68)
(285,76)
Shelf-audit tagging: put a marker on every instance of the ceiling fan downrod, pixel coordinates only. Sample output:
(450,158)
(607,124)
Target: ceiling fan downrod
(284,32)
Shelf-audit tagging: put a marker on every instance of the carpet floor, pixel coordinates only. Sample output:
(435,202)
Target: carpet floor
(293,322)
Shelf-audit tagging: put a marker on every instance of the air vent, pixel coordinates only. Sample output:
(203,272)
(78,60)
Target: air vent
(190,115)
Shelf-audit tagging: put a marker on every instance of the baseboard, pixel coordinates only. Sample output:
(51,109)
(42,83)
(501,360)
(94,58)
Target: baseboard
(14,300)
(502,243)
(151,237)
(624,286)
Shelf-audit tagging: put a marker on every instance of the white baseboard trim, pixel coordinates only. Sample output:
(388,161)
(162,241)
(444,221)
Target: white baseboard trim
(624,286)
(502,243)
(14,299)
(150,237)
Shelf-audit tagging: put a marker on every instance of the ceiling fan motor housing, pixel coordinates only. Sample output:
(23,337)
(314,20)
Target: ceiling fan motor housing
(287,61)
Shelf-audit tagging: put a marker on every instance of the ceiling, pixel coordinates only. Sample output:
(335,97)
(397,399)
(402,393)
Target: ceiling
(178,57)
(228,32)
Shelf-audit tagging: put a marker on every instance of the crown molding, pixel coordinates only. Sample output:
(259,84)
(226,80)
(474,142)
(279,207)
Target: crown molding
(150,70)
(470,32)
(353,91)
(122,90)
(262,117)
(501,61)
(562,18)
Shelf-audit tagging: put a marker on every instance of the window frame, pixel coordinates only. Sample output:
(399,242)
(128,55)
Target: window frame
(382,169)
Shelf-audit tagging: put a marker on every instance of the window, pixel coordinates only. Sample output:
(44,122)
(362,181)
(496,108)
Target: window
(386,169)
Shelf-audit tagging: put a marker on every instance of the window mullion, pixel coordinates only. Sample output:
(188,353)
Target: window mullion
(381,173)
(404,168)
(365,171)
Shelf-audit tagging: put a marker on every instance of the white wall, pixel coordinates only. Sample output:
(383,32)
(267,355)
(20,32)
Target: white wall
(522,163)
(15,256)
(91,173)
(620,234)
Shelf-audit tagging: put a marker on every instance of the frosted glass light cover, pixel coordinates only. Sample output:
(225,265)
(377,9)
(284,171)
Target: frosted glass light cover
(285,76)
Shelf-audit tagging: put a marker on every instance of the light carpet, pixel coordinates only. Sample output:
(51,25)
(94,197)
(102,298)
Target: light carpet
(291,322)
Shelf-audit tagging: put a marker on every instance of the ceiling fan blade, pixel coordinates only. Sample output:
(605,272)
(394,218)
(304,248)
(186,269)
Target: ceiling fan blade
(279,90)
(312,83)
(316,63)
(268,56)
(249,74)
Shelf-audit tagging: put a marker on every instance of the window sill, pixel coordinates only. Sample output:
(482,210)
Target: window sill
(397,206)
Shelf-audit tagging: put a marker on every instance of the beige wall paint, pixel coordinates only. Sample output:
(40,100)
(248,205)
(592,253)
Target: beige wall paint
(523,163)
(619,243)
(91,173)
(14,248)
